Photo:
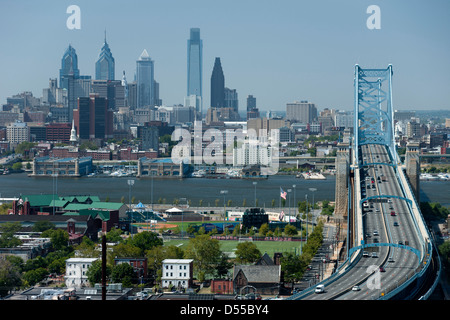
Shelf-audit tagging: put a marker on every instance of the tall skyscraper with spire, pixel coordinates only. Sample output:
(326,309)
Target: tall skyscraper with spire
(145,80)
(105,65)
(194,69)
(69,67)
(217,86)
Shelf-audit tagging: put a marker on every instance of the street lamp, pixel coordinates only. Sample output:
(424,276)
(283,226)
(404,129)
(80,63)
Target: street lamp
(313,190)
(130,184)
(289,191)
(224,192)
(182,216)
(295,204)
(255,183)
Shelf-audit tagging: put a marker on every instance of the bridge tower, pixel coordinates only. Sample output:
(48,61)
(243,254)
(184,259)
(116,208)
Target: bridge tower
(374,115)
(412,163)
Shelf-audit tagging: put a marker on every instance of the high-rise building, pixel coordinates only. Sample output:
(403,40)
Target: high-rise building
(93,119)
(104,67)
(145,80)
(251,102)
(303,112)
(231,99)
(69,66)
(113,90)
(217,86)
(17,132)
(195,66)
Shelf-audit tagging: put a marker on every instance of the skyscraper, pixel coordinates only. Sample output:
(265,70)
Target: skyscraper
(104,67)
(217,86)
(69,67)
(302,112)
(194,66)
(145,80)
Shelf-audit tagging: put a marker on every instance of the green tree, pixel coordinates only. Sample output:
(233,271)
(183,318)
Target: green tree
(17,166)
(123,273)
(264,229)
(34,276)
(290,230)
(293,267)
(223,266)
(114,235)
(94,273)
(206,254)
(43,225)
(58,237)
(444,250)
(125,250)
(247,252)
(86,249)
(7,238)
(9,276)
(145,241)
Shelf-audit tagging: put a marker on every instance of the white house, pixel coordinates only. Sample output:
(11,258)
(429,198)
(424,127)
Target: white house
(76,271)
(177,272)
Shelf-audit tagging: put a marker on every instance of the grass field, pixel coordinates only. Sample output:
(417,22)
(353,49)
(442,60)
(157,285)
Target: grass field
(229,246)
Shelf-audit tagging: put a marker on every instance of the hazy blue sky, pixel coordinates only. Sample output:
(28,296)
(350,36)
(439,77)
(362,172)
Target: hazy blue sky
(278,51)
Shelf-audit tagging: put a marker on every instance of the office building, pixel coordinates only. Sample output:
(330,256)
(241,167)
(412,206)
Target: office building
(17,132)
(217,86)
(251,102)
(231,99)
(194,68)
(145,80)
(105,65)
(93,119)
(113,90)
(69,66)
(149,136)
(302,112)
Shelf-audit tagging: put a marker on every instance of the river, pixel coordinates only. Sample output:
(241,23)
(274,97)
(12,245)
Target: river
(194,189)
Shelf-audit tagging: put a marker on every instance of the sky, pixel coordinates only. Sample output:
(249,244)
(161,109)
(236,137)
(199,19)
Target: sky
(278,51)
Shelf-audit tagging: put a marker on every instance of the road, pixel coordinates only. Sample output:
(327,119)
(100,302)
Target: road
(378,227)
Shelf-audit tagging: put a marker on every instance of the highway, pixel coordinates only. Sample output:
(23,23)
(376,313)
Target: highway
(378,270)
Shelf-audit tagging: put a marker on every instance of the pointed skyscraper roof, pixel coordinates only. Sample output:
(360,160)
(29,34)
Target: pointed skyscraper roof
(144,55)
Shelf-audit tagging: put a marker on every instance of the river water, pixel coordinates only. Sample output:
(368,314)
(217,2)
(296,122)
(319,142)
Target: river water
(194,189)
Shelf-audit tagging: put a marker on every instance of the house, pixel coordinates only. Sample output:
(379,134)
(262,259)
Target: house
(263,277)
(177,272)
(76,271)
(139,266)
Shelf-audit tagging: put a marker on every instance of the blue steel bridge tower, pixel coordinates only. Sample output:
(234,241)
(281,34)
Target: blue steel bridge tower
(374,114)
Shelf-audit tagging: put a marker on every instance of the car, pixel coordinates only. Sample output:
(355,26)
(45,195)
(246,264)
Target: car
(392,213)
(365,254)
(375,240)
(320,288)
(374,255)
(400,242)
(375,232)
(382,269)
(395,224)
(391,259)
(356,288)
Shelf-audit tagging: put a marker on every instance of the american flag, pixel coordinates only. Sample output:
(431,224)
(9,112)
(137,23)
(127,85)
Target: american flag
(283,194)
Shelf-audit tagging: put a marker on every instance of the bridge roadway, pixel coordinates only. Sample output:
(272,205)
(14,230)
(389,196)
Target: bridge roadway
(378,227)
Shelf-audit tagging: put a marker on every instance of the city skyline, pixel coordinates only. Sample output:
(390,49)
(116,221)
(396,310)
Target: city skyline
(279,52)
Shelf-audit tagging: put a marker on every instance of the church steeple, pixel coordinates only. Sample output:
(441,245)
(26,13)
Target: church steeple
(73,133)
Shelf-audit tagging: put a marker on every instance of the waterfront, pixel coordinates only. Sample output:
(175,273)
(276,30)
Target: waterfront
(194,189)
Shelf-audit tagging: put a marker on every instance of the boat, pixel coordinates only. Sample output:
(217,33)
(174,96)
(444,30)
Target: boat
(313,176)
(198,174)
(428,177)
